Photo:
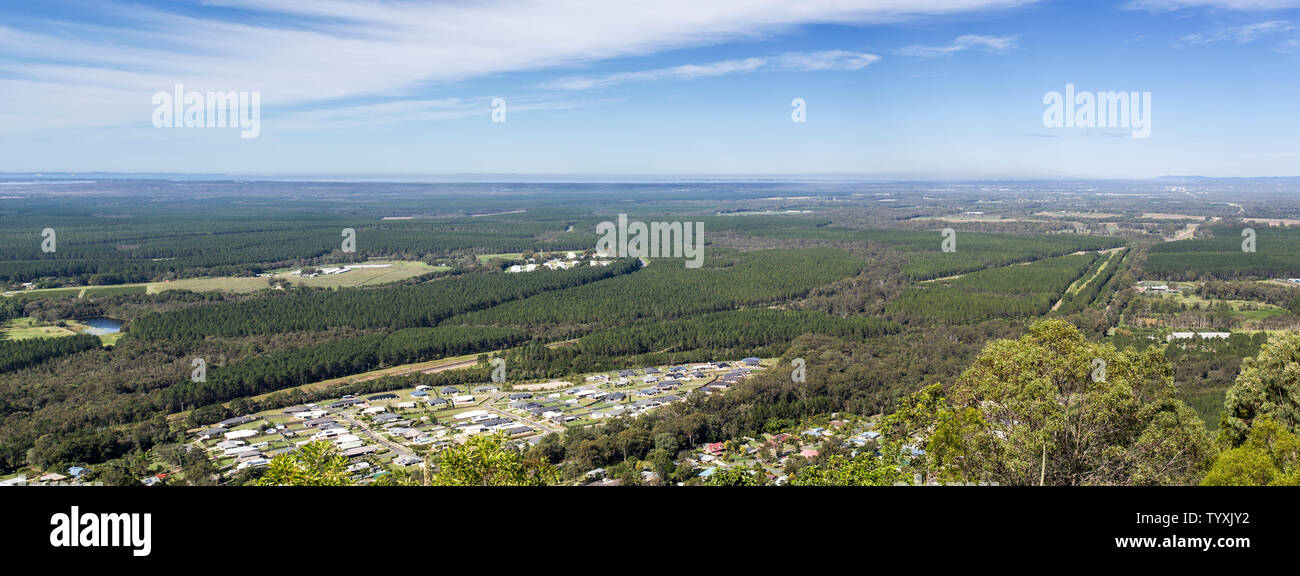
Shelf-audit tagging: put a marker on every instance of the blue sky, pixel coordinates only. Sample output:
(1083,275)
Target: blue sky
(894,88)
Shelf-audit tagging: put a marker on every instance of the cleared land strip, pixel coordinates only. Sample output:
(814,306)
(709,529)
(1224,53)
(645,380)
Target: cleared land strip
(430,367)
(369,273)
(454,363)
(1085,280)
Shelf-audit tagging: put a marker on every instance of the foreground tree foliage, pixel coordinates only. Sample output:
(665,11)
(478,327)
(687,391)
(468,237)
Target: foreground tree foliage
(1267,387)
(312,464)
(488,460)
(1270,456)
(736,476)
(1054,408)
(884,469)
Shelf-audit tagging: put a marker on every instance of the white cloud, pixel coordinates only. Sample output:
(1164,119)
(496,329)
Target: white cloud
(1240,34)
(992,44)
(1239,5)
(824,60)
(406,112)
(298,53)
(795,61)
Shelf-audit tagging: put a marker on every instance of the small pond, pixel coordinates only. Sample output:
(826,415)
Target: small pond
(102,326)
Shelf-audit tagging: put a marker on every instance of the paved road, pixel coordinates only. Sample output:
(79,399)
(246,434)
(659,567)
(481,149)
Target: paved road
(397,448)
(537,424)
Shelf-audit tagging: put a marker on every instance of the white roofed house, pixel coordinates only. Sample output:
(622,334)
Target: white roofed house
(212,433)
(239,451)
(1201,335)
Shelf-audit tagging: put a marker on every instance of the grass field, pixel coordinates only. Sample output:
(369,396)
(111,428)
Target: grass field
(1248,309)
(110,339)
(393,271)
(508,256)
(541,256)
(23,328)
(81,291)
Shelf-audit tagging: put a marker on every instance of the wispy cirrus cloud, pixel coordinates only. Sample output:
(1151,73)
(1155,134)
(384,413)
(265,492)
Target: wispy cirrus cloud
(308,53)
(991,44)
(407,112)
(1238,5)
(798,62)
(1243,34)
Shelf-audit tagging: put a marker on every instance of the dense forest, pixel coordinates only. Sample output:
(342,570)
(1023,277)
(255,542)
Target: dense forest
(666,289)
(1222,253)
(285,369)
(703,338)
(424,304)
(971,251)
(19,354)
(1016,291)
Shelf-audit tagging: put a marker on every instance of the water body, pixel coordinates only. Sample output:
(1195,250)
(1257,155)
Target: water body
(102,326)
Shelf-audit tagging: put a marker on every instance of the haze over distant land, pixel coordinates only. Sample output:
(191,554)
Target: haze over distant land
(51,178)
